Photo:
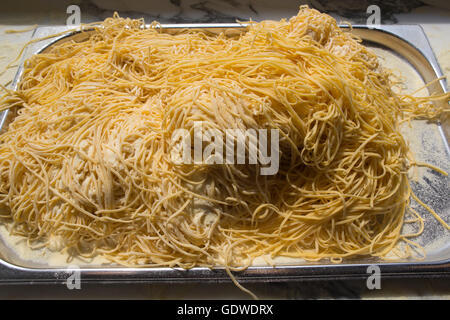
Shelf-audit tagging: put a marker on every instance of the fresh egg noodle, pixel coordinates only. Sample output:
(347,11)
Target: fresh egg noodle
(85,164)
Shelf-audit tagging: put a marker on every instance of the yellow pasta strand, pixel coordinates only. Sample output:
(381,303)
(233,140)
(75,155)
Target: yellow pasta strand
(86,159)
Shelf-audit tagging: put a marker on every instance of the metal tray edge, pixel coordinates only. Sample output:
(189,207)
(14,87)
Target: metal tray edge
(415,39)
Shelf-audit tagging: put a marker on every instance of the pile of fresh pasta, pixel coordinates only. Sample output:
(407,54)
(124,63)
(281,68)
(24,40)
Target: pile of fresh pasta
(85,165)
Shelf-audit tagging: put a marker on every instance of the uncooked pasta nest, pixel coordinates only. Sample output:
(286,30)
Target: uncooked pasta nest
(86,167)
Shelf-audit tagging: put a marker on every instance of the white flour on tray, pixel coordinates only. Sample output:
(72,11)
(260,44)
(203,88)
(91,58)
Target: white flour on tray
(20,252)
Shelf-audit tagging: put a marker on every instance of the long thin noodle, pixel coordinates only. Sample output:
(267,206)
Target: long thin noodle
(86,161)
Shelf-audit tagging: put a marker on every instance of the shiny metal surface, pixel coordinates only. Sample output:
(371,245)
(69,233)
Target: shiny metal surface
(407,41)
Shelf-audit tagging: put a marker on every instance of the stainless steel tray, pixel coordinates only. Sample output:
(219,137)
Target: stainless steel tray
(408,42)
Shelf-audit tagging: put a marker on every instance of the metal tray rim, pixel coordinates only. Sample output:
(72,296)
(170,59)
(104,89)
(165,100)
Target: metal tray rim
(411,35)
